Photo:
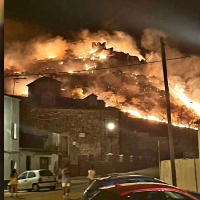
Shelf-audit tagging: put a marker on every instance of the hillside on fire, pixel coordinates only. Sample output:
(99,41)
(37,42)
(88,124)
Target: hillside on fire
(112,67)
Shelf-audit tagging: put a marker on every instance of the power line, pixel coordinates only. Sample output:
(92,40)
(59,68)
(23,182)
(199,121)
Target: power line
(96,69)
(152,53)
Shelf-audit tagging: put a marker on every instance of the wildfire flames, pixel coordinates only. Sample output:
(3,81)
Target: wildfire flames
(179,92)
(112,67)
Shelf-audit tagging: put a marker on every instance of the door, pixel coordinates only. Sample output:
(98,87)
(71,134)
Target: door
(44,163)
(31,179)
(28,163)
(22,181)
(64,146)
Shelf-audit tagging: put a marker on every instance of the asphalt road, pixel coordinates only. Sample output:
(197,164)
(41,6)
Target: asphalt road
(75,194)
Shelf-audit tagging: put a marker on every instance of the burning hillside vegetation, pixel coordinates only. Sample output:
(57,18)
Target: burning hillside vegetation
(112,67)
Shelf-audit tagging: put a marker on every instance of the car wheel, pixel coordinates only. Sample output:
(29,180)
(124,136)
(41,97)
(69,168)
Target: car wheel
(29,190)
(36,188)
(53,188)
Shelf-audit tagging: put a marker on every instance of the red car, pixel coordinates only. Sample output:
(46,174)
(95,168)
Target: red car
(142,191)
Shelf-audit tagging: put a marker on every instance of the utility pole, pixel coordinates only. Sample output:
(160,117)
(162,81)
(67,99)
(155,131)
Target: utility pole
(14,87)
(159,155)
(15,79)
(170,133)
(198,123)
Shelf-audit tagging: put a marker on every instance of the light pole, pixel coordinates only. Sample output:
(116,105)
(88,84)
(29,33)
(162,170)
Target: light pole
(111,128)
(15,81)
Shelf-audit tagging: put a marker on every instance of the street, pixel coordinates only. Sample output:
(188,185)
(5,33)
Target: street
(76,193)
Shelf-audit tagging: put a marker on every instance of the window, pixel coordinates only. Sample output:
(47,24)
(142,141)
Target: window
(56,139)
(13,164)
(175,195)
(96,184)
(22,176)
(156,195)
(44,162)
(139,195)
(150,195)
(107,196)
(31,175)
(45,173)
(14,131)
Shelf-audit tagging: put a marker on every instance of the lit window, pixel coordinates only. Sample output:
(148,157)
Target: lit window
(56,139)
(14,131)
(13,164)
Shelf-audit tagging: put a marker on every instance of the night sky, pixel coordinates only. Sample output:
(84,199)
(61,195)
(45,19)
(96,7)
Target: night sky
(180,19)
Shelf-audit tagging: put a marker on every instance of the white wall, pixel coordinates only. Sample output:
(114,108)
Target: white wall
(7,164)
(187,173)
(35,160)
(11,147)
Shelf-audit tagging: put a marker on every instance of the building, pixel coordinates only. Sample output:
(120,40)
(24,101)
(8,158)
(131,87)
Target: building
(82,124)
(11,136)
(36,154)
(147,141)
(25,151)
(81,131)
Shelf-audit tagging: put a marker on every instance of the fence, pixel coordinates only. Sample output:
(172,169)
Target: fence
(113,164)
(187,173)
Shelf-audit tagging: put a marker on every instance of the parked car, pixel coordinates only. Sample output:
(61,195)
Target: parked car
(115,179)
(35,180)
(142,191)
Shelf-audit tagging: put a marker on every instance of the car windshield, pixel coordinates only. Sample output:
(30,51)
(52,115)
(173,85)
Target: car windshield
(175,195)
(95,185)
(45,173)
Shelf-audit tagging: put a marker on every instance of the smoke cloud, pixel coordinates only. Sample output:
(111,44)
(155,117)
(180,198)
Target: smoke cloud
(132,84)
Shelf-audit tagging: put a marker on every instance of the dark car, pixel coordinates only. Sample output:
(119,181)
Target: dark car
(142,191)
(113,180)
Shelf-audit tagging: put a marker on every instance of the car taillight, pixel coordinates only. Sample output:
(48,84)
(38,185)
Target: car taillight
(40,180)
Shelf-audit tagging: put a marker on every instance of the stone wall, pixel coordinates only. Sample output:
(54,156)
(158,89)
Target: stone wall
(104,167)
(72,122)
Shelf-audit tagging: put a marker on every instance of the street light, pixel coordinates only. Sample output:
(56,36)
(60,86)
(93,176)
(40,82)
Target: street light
(15,81)
(111,126)
(110,133)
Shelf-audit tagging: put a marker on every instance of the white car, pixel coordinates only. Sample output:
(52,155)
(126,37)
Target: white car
(35,180)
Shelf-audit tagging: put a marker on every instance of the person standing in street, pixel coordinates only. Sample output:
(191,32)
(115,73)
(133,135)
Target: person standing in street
(91,174)
(66,182)
(13,182)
